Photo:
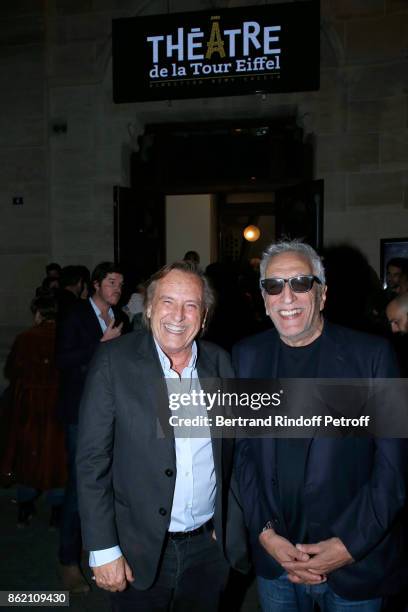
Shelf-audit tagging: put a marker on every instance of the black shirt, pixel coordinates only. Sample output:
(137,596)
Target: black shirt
(291,453)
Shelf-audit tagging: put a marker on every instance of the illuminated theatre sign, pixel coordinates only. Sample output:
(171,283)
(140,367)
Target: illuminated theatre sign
(270,48)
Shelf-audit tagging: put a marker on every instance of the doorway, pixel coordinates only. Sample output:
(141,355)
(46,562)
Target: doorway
(252,172)
(286,213)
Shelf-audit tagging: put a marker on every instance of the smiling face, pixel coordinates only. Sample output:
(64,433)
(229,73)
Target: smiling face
(296,316)
(176,313)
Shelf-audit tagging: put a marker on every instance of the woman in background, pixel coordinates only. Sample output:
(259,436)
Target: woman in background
(35,446)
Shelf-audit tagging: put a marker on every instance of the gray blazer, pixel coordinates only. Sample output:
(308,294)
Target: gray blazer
(127,468)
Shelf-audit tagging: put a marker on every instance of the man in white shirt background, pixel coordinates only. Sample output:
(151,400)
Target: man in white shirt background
(87,324)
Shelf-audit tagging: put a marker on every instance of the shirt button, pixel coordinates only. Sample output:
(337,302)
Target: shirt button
(169,472)
(187,474)
(163,511)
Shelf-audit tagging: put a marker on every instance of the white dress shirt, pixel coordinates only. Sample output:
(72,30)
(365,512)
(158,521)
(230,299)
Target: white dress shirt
(98,313)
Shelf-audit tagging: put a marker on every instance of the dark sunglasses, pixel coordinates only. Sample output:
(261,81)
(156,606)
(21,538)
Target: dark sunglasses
(298,284)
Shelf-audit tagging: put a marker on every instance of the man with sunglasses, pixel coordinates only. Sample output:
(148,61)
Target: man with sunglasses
(323,514)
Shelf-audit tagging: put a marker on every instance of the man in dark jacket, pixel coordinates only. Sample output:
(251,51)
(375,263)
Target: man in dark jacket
(158,512)
(87,324)
(324,514)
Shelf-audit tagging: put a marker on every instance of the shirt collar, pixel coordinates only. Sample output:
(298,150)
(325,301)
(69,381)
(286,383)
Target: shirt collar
(165,361)
(98,311)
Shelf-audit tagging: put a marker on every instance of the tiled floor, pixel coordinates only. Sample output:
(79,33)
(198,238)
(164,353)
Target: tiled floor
(28,560)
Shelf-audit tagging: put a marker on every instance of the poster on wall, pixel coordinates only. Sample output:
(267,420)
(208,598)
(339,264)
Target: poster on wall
(257,49)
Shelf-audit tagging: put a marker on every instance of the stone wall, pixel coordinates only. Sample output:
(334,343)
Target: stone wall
(24,230)
(362,152)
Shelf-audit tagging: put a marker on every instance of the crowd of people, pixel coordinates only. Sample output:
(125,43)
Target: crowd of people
(83,412)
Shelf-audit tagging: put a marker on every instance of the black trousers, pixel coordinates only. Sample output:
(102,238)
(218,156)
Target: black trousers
(70,529)
(191,578)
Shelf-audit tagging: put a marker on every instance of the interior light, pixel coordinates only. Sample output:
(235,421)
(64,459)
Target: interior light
(251,233)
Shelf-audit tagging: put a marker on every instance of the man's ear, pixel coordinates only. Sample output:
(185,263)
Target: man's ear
(264,294)
(204,319)
(149,311)
(323,297)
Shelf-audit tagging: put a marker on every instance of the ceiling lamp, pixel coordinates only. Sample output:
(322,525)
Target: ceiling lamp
(251,233)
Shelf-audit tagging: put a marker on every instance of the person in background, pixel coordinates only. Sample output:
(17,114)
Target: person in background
(49,287)
(72,284)
(193,257)
(50,283)
(86,276)
(53,270)
(397,316)
(394,268)
(89,323)
(134,306)
(35,451)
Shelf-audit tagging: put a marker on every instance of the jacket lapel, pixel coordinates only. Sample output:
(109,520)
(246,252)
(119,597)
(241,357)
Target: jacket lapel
(93,325)
(332,361)
(210,382)
(332,364)
(148,374)
(267,359)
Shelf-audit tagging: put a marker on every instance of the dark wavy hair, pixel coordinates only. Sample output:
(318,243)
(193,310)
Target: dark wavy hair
(102,270)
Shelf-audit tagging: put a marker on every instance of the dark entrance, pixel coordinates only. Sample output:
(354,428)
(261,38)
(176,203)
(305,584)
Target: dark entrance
(269,156)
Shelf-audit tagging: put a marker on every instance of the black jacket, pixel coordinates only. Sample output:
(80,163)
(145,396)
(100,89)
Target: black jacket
(78,336)
(126,465)
(354,488)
